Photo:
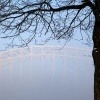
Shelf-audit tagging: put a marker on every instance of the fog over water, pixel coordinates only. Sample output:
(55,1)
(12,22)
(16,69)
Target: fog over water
(46,78)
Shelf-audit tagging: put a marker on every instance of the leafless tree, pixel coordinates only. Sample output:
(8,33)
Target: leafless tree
(54,19)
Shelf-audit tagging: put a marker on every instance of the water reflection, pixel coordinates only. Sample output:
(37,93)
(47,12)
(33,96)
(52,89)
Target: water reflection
(39,78)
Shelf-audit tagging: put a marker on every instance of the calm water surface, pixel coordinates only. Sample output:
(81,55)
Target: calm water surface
(46,79)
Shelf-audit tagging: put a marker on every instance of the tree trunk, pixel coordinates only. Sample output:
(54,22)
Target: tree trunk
(96,58)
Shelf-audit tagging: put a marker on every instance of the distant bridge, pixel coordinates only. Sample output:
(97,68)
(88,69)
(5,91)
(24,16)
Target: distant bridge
(44,51)
(66,54)
(41,55)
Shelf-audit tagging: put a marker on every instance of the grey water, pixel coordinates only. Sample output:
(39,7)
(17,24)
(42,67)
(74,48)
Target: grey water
(46,79)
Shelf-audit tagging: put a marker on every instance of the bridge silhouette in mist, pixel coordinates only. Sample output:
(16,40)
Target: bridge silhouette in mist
(44,54)
(44,51)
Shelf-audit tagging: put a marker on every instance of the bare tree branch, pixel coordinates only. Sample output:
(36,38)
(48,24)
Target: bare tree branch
(53,18)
